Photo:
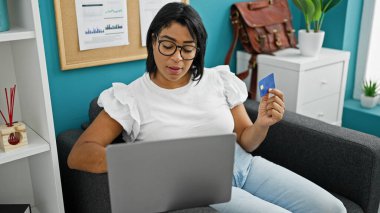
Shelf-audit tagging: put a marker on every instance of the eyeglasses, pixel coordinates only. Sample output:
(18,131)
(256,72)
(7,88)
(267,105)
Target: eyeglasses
(168,48)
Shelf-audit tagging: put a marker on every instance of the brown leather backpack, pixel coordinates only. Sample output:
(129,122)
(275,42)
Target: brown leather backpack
(263,26)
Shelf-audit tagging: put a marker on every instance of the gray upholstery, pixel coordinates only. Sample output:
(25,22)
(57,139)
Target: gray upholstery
(343,161)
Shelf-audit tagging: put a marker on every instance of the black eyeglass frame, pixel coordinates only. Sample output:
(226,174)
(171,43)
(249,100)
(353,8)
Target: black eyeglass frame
(180,49)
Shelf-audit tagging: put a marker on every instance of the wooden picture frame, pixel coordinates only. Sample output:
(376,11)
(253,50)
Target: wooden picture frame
(67,31)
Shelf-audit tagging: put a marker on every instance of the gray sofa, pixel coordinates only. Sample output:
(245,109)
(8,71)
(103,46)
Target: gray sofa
(343,161)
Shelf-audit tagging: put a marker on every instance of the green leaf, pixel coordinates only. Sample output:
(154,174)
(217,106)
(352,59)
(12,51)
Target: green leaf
(317,10)
(328,4)
(370,88)
(307,8)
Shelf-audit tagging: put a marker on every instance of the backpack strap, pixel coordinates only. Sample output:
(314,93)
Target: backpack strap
(253,68)
(236,24)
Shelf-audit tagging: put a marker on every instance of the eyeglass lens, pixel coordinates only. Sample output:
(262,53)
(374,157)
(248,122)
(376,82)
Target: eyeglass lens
(168,48)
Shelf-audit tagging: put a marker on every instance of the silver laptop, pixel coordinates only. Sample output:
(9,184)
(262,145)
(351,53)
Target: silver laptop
(165,175)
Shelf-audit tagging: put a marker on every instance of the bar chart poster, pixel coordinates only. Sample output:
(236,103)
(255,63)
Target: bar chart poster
(101,23)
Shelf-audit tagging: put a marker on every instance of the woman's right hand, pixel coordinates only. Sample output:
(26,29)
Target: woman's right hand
(271,108)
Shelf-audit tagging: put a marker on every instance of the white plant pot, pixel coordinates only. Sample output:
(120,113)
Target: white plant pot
(310,43)
(369,102)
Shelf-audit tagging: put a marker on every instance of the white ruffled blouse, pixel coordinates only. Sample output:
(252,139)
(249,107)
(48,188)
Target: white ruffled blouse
(149,112)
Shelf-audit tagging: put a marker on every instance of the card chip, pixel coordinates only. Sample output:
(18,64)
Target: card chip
(266,83)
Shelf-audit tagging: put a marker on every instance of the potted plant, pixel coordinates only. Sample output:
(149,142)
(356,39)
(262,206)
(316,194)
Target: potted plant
(310,40)
(370,95)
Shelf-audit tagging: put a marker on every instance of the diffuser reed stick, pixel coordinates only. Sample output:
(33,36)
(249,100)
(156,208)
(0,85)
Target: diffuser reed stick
(10,105)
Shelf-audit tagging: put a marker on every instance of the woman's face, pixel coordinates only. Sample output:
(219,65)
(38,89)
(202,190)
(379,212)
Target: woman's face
(172,70)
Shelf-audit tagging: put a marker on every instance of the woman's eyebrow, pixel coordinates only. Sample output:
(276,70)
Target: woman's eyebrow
(175,40)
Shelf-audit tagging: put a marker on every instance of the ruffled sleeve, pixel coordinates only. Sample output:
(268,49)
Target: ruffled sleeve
(118,102)
(235,89)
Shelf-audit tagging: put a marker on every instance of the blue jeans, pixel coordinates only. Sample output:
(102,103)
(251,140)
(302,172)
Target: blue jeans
(262,186)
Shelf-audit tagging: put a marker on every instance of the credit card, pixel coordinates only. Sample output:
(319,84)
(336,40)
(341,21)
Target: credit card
(266,83)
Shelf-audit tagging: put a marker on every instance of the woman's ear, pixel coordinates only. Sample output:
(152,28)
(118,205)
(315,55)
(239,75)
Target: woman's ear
(154,37)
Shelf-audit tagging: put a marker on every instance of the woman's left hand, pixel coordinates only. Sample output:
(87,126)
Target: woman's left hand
(271,109)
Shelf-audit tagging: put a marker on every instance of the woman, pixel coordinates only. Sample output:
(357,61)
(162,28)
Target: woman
(177,97)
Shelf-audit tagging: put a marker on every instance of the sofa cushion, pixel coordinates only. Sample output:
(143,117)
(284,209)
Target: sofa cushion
(94,109)
(350,206)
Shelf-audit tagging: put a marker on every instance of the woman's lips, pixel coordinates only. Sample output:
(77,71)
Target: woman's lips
(174,70)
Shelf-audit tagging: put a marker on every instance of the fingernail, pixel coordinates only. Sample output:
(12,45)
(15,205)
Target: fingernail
(270,89)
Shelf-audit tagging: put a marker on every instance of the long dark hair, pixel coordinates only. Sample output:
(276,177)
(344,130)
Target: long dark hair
(185,15)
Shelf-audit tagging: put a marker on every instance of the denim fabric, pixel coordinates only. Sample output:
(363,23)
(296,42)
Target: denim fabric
(262,186)
(242,166)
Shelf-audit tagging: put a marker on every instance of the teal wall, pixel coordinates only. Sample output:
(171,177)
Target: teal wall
(71,91)
(351,39)
(354,116)
(358,118)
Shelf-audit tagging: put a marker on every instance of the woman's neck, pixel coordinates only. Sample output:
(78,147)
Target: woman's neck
(162,82)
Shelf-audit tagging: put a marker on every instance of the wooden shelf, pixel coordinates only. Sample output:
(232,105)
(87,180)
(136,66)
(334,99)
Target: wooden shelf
(16,33)
(36,145)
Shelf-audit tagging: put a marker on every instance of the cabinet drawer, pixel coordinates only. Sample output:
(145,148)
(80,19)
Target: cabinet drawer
(325,109)
(320,82)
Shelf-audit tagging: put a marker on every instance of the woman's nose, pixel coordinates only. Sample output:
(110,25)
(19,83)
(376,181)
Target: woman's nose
(177,55)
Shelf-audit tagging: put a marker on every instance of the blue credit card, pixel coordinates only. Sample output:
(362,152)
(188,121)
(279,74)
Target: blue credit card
(265,84)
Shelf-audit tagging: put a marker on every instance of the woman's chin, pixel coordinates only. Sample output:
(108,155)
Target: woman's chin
(174,78)
(177,78)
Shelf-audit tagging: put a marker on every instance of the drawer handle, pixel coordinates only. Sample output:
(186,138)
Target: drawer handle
(321,114)
(323,82)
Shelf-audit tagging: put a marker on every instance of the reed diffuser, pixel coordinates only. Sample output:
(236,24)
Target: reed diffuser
(12,134)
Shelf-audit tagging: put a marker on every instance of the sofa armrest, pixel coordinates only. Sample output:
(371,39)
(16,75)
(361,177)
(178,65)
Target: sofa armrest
(82,191)
(342,161)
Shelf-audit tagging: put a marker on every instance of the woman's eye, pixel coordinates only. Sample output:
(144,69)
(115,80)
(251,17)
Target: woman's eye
(188,49)
(168,46)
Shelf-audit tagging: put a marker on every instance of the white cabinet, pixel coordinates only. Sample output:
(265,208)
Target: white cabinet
(29,174)
(313,86)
